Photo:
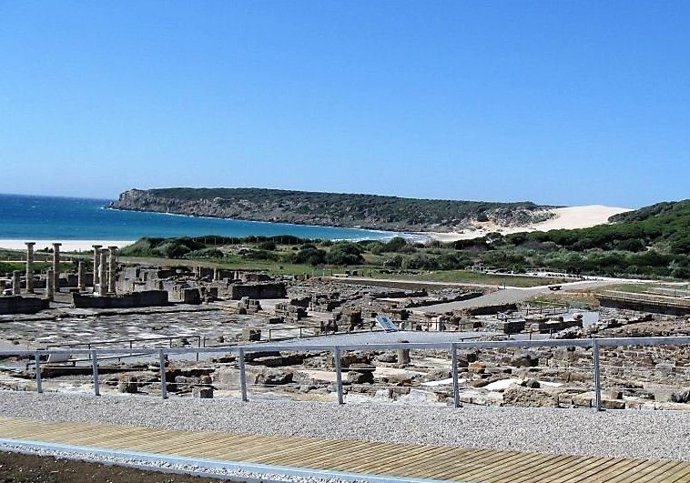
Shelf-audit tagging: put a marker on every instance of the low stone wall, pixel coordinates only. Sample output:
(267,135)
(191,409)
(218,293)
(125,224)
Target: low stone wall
(258,291)
(492,309)
(22,305)
(642,303)
(150,298)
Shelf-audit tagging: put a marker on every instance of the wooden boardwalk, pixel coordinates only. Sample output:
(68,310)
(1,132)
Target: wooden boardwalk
(380,459)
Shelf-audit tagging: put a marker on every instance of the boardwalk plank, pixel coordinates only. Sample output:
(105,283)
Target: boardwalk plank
(386,459)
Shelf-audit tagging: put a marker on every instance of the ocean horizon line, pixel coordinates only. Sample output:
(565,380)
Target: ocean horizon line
(74,218)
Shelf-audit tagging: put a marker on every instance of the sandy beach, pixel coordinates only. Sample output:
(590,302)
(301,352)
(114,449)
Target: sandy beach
(569,218)
(566,218)
(67,245)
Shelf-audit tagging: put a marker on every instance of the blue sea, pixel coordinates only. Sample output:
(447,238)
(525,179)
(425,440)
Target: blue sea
(25,217)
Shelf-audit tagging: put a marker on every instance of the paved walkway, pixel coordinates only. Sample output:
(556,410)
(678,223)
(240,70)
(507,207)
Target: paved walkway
(367,458)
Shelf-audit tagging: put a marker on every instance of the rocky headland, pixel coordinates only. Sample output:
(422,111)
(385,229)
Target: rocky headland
(333,209)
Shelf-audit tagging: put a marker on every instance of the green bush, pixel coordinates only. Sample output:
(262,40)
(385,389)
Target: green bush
(208,253)
(345,253)
(310,255)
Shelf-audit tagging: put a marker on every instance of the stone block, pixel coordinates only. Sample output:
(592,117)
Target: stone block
(613,404)
(584,400)
(523,396)
(680,396)
(356,377)
(274,377)
(202,392)
(612,394)
(128,385)
(525,359)
(251,335)
(477,367)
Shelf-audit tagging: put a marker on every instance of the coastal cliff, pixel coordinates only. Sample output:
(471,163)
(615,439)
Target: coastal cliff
(332,209)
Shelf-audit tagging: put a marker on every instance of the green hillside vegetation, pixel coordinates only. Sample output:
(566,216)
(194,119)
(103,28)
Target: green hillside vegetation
(336,209)
(651,242)
(393,208)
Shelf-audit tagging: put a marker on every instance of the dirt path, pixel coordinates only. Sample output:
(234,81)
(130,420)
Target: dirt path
(20,468)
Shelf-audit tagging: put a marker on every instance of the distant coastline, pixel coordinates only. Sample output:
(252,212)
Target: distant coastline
(343,210)
(82,222)
(33,218)
(383,233)
(444,220)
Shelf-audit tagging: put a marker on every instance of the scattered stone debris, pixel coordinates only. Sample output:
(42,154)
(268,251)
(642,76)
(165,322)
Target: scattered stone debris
(136,307)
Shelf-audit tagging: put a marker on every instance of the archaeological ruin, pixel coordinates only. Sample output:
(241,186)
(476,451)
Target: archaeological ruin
(98,302)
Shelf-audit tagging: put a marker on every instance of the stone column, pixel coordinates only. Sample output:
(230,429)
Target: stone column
(81,282)
(112,268)
(102,273)
(96,263)
(403,357)
(50,285)
(30,267)
(16,280)
(56,265)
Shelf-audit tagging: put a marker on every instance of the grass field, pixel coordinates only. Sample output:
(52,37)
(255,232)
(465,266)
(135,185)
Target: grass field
(279,268)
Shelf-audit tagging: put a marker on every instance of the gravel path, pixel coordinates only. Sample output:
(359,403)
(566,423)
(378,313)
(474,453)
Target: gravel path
(501,297)
(637,434)
(510,295)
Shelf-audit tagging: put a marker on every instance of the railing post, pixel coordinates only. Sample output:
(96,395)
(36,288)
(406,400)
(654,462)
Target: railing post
(269,335)
(39,383)
(338,374)
(199,347)
(243,375)
(164,389)
(597,375)
(94,364)
(454,361)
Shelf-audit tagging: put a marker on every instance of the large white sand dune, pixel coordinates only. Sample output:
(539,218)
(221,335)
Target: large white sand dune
(579,217)
(566,218)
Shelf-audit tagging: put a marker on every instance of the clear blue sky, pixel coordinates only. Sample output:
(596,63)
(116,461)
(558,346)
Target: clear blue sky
(561,102)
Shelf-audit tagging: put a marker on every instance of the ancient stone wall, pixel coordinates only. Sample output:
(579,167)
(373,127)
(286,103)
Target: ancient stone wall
(274,290)
(22,305)
(150,298)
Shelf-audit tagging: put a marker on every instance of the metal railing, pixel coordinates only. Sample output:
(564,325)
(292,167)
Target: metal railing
(241,350)
(134,350)
(157,339)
